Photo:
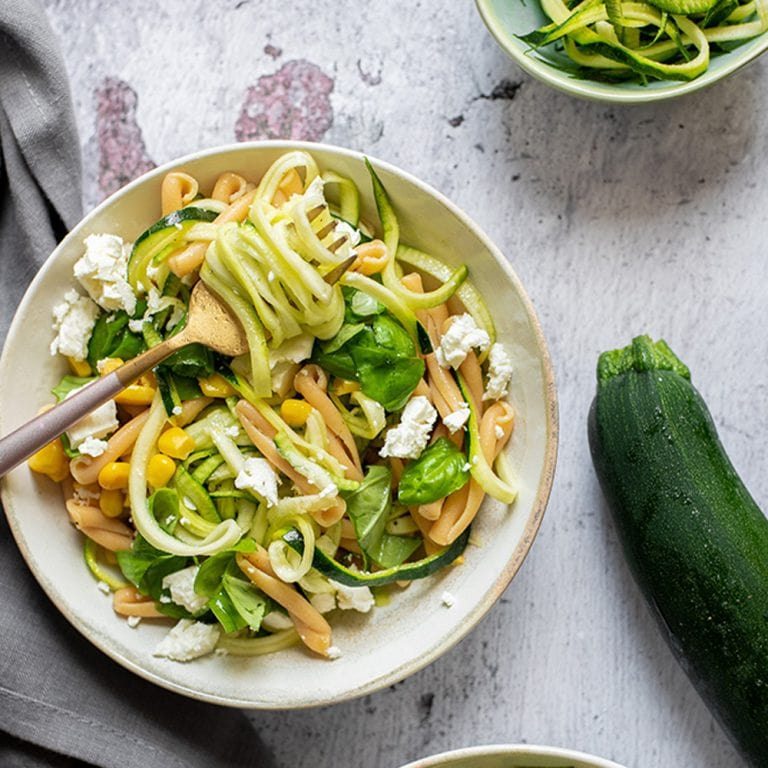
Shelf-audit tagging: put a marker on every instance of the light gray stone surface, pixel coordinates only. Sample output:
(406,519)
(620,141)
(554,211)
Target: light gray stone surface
(618,221)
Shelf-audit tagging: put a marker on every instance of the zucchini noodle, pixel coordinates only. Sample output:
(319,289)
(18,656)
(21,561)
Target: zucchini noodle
(662,40)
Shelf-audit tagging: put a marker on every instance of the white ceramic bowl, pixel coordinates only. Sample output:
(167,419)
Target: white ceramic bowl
(506,19)
(379,648)
(513,756)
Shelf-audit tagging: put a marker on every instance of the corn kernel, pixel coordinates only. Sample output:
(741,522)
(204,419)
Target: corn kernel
(136,394)
(344,387)
(109,364)
(114,476)
(160,470)
(50,460)
(176,443)
(111,503)
(79,367)
(216,385)
(295,412)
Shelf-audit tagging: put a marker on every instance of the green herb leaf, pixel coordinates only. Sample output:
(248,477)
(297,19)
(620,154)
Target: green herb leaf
(368,507)
(438,472)
(70,384)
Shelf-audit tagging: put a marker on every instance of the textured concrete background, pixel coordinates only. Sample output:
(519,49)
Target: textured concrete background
(618,220)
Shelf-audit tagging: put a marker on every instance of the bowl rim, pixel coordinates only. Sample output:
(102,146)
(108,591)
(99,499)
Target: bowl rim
(541,497)
(593,90)
(510,750)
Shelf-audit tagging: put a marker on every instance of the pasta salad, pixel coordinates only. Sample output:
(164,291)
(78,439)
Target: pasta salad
(346,454)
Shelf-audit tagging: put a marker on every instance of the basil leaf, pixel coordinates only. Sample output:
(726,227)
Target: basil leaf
(387,378)
(368,507)
(111,337)
(438,472)
(194,361)
(212,570)
(346,333)
(226,612)
(137,561)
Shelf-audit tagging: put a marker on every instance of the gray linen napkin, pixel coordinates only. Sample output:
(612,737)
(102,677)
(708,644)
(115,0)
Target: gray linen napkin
(61,700)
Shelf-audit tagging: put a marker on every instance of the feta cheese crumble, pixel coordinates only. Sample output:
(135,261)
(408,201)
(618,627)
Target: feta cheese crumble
(333,652)
(101,270)
(462,336)
(73,321)
(188,640)
(258,477)
(448,600)
(499,373)
(323,602)
(181,585)
(96,425)
(498,431)
(134,621)
(457,419)
(409,438)
(352,598)
(92,446)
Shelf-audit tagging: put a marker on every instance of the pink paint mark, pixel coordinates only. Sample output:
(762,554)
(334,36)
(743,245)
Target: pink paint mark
(122,154)
(294,103)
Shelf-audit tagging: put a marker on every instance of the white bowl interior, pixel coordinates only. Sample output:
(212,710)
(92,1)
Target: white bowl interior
(377,649)
(508,18)
(513,756)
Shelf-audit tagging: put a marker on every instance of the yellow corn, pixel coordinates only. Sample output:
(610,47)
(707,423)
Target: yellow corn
(109,364)
(114,476)
(344,387)
(160,470)
(216,385)
(50,460)
(175,442)
(79,367)
(136,394)
(295,412)
(111,503)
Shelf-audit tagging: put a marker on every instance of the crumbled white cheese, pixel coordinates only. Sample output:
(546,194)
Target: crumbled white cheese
(136,326)
(103,587)
(462,336)
(323,601)
(92,446)
(102,272)
(333,652)
(97,424)
(232,431)
(352,598)
(448,599)
(467,466)
(499,373)
(258,477)
(176,410)
(293,350)
(73,321)
(188,640)
(409,438)
(457,419)
(181,585)
(498,431)
(134,621)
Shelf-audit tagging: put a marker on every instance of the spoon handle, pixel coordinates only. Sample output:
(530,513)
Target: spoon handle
(33,435)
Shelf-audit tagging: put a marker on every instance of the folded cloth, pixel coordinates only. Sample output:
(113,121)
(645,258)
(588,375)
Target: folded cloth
(61,700)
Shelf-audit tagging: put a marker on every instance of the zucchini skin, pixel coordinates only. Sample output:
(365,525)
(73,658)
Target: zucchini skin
(695,540)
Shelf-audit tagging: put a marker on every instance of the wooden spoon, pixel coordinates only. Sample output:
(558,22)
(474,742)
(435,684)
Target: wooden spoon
(209,322)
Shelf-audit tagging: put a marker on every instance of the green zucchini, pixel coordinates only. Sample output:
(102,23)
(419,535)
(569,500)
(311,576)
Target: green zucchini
(419,569)
(159,241)
(695,540)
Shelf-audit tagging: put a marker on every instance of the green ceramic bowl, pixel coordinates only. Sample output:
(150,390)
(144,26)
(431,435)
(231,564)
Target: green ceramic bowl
(508,18)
